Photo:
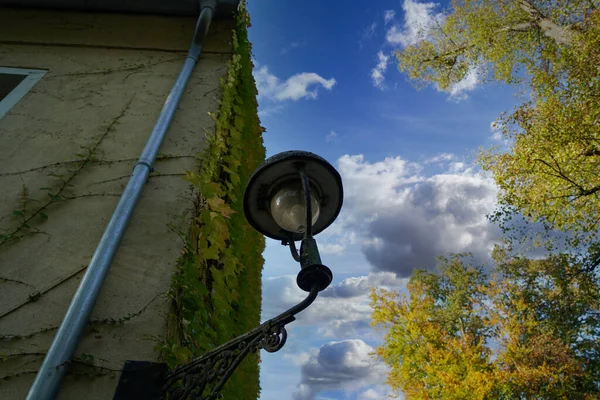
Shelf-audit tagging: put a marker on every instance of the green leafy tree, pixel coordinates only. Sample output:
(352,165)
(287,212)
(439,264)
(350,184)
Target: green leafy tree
(531,331)
(551,50)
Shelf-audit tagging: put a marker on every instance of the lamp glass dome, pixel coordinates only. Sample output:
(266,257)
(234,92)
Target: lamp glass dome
(288,209)
(271,217)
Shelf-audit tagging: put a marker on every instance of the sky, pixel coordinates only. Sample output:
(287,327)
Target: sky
(328,83)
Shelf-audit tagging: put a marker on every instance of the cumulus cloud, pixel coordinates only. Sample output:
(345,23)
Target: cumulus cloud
(377,73)
(440,158)
(331,248)
(459,91)
(340,311)
(378,392)
(333,317)
(361,285)
(346,364)
(388,16)
(419,18)
(442,215)
(369,186)
(370,394)
(299,359)
(403,220)
(304,85)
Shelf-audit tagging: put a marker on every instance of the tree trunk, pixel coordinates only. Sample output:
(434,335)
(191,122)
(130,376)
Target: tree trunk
(560,34)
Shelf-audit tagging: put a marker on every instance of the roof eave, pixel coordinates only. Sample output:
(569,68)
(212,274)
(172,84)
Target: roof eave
(182,8)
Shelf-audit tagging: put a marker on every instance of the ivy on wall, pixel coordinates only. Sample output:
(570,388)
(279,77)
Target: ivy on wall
(216,290)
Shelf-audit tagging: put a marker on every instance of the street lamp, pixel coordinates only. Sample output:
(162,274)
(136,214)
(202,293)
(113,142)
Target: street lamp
(292,196)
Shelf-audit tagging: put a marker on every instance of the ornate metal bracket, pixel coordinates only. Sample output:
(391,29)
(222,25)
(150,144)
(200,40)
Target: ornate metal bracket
(204,377)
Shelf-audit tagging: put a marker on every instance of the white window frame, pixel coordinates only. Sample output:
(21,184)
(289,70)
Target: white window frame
(32,77)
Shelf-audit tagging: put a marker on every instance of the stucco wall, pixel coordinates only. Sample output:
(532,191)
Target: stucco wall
(108,76)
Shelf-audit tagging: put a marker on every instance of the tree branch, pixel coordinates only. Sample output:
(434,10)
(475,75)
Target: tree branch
(560,34)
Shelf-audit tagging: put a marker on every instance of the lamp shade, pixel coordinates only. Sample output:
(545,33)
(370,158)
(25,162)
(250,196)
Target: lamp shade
(274,200)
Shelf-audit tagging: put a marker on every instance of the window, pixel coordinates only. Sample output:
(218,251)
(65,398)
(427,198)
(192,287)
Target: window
(14,84)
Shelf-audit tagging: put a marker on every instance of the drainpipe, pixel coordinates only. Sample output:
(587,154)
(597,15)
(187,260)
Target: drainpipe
(48,379)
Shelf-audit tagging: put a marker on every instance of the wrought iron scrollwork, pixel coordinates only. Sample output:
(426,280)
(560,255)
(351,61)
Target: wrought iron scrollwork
(204,377)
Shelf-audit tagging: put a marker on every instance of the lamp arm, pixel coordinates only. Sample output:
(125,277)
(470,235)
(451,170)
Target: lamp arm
(209,372)
(293,249)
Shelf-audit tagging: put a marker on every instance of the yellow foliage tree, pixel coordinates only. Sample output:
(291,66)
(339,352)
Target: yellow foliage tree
(530,332)
(551,49)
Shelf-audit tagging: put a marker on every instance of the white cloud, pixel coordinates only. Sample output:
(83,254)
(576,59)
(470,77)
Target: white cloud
(330,317)
(340,311)
(458,167)
(440,158)
(378,392)
(330,136)
(369,31)
(362,285)
(496,130)
(299,359)
(331,248)
(299,86)
(418,20)
(293,45)
(282,293)
(369,394)
(459,90)
(348,365)
(388,16)
(371,186)
(404,220)
(270,110)
(377,73)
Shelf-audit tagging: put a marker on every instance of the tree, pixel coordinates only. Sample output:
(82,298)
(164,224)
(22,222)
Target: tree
(551,50)
(532,331)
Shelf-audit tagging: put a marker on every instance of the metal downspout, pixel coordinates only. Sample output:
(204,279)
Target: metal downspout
(53,369)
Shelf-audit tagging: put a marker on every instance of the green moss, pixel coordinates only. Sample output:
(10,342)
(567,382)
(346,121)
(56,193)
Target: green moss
(216,290)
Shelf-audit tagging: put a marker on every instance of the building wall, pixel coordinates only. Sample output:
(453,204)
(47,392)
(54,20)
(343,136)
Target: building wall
(107,78)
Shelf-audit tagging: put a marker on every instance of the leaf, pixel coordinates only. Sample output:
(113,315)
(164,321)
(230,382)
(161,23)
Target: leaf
(218,205)
(211,253)
(233,162)
(182,353)
(235,179)
(239,123)
(215,203)
(18,213)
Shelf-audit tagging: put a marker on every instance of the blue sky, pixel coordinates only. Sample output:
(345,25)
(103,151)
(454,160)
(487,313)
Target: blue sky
(328,83)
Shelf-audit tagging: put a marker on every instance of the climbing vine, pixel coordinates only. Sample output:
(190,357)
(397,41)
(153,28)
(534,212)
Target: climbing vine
(216,290)
(31,211)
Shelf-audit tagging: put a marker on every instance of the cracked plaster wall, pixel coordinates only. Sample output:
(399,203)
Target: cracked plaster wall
(108,77)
